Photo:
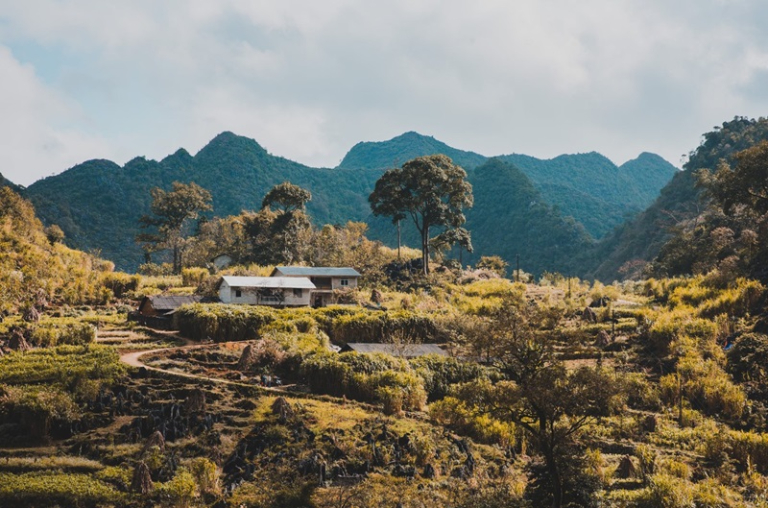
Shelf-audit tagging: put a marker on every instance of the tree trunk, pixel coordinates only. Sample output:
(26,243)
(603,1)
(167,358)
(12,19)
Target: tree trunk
(398,242)
(176,260)
(425,248)
(557,486)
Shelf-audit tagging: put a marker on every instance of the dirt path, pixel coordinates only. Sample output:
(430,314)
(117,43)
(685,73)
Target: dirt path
(133,359)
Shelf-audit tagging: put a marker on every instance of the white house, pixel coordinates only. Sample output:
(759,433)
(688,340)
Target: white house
(325,280)
(274,291)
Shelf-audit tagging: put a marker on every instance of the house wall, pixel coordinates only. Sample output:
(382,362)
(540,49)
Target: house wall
(250,296)
(336,282)
(146,309)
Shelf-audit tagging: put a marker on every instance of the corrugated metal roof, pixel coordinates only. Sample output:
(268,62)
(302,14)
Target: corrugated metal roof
(402,350)
(269,282)
(172,302)
(317,271)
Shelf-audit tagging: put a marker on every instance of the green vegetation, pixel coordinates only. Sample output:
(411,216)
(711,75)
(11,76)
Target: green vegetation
(172,213)
(680,215)
(97,204)
(554,391)
(433,192)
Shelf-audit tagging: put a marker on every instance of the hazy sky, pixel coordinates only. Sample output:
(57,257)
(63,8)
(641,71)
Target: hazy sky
(308,79)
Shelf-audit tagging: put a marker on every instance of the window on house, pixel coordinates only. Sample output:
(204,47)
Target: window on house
(298,293)
(270,299)
(345,282)
(238,293)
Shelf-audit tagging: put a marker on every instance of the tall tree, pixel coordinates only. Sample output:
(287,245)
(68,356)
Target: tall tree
(541,396)
(286,198)
(432,190)
(173,212)
(281,231)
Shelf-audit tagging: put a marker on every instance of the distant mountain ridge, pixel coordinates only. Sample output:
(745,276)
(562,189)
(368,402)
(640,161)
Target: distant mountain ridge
(641,239)
(98,203)
(588,187)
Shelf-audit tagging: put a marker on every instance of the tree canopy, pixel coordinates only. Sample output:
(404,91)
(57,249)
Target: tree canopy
(286,198)
(432,191)
(172,211)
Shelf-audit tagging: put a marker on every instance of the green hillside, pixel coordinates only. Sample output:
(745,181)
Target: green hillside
(98,203)
(592,189)
(4,182)
(588,187)
(642,238)
(511,218)
(396,151)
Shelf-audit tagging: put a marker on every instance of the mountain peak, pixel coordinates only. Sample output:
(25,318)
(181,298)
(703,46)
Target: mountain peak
(229,140)
(402,148)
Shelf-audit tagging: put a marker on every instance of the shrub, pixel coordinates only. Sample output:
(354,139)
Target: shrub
(50,489)
(666,491)
(454,414)
(193,276)
(120,283)
(748,357)
(223,322)
(440,372)
(377,326)
(181,490)
(36,409)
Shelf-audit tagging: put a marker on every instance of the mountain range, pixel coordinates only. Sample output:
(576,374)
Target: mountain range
(545,211)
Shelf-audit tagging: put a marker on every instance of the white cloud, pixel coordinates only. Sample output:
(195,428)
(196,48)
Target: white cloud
(38,130)
(309,79)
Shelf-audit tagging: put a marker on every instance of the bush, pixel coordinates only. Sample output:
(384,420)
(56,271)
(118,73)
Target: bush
(367,378)
(667,491)
(454,414)
(223,322)
(120,283)
(748,357)
(440,372)
(193,276)
(50,489)
(50,335)
(181,490)
(36,409)
(378,326)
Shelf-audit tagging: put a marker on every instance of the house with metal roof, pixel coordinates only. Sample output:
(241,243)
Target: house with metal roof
(399,350)
(326,280)
(157,311)
(273,291)
(165,305)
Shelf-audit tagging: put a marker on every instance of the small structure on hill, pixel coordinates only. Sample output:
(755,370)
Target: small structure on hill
(325,280)
(222,261)
(272,291)
(399,350)
(157,311)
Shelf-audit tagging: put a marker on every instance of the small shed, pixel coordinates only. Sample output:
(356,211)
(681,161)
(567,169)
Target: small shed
(157,311)
(273,291)
(326,279)
(400,350)
(222,261)
(163,305)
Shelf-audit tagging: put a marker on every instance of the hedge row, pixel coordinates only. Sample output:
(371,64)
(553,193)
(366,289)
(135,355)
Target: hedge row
(342,324)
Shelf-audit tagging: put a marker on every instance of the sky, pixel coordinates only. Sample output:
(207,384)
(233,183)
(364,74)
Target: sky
(307,79)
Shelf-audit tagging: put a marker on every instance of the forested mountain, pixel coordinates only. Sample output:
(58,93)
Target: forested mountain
(4,182)
(98,203)
(588,187)
(396,151)
(593,190)
(511,218)
(641,239)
